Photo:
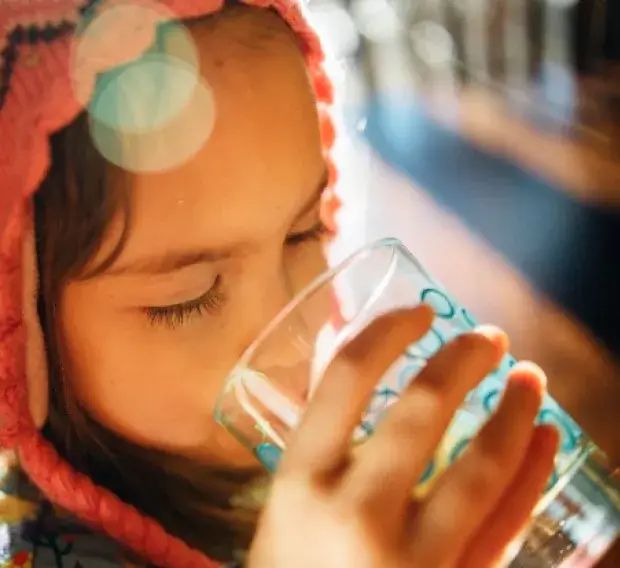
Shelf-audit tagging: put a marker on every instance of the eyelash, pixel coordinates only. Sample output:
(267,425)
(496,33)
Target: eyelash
(314,233)
(178,314)
(214,299)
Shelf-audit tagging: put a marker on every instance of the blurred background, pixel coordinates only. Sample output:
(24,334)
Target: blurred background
(486,135)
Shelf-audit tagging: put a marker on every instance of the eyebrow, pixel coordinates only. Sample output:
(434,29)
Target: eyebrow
(172,261)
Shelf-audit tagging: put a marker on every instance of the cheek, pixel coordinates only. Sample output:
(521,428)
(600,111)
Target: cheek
(154,387)
(158,387)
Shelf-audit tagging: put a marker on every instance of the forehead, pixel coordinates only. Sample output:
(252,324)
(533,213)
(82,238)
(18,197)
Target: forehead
(262,157)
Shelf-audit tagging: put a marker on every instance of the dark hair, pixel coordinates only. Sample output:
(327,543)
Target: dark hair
(73,211)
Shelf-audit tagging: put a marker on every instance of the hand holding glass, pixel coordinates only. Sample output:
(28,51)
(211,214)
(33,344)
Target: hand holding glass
(273,382)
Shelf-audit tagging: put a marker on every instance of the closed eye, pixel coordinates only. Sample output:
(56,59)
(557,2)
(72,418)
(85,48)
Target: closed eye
(175,315)
(315,232)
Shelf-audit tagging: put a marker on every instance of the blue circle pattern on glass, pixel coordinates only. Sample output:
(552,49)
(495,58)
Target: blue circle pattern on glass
(382,399)
(553,479)
(570,438)
(491,400)
(488,392)
(468,318)
(459,449)
(490,389)
(367,428)
(439,301)
(428,472)
(269,455)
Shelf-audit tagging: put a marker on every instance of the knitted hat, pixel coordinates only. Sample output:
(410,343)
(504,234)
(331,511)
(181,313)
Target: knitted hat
(46,80)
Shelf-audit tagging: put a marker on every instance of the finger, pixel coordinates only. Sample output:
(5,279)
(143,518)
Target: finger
(515,509)
(324,437)
(394,458)
(468,492)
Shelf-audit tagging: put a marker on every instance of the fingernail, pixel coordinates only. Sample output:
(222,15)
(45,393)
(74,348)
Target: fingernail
(530,374)
(495,334)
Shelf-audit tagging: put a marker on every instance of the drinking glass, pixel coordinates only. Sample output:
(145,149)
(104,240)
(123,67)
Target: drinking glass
(273,382)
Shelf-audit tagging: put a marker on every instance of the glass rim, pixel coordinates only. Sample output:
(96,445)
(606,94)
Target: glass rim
(309,289)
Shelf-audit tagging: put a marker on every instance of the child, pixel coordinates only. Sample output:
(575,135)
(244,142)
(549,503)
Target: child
(165,233)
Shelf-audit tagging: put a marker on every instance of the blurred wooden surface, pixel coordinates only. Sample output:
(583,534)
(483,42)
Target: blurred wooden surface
(579,154)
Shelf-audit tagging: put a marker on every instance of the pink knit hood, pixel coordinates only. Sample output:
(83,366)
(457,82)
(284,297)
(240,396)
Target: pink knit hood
(42,89)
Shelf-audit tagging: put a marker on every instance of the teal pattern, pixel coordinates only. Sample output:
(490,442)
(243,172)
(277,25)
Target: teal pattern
(452,320)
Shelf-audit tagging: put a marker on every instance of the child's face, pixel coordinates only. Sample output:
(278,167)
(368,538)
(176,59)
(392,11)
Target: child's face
(211,234)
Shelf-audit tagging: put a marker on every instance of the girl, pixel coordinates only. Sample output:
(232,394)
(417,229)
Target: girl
(184,187)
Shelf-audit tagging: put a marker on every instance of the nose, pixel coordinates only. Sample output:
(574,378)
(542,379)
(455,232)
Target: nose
(270,295)
(284,277)
(284,348)
(277,374)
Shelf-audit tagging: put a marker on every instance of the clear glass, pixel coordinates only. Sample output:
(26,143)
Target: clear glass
(273,382)
(578,526)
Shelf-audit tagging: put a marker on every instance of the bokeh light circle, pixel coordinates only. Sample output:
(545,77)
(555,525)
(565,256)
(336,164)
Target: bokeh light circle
(154,135)
(137,72)
(110,35)
(143,95)
(433,44)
